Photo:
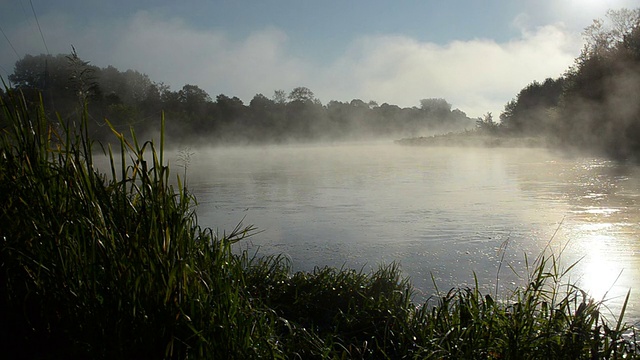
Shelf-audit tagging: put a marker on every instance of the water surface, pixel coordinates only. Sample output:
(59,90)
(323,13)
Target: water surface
(442,213)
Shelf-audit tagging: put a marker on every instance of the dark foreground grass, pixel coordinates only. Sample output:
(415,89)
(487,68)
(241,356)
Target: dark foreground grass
(117,267)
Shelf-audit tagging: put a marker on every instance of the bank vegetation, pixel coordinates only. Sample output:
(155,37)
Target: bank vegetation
(115,265)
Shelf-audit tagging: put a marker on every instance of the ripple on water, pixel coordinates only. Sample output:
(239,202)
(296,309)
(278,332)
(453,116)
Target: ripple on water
(445,212)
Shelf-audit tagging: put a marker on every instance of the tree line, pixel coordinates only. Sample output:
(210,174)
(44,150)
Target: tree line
(596,103)
(131,99)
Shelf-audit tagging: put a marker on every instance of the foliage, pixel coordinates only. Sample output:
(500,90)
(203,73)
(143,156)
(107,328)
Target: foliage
(110,267)
(528,113)
(595,104)
(130,98)
(486,124)
(302,94)
(600,107)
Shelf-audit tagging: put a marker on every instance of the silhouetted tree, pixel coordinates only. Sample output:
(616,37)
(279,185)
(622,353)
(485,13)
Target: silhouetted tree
(279,96)
(595,104)
(301,94)
(600,98)
(486,124)
(193,97)
(130,98)
(229,112)
(528,113)
(48,75)
(304,113)
(439,107)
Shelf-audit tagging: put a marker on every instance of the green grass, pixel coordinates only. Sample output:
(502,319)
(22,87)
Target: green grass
(96,266)
(114,267)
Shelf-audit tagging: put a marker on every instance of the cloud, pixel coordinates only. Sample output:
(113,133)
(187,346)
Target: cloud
(475,76)
(173,52)
(93,43)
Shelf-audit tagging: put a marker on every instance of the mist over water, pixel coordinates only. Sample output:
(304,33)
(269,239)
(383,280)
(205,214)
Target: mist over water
(441,212)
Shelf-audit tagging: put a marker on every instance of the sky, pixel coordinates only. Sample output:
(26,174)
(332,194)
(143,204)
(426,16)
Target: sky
(475,54)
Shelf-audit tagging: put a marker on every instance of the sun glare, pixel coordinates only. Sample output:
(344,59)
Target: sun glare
(600,271)
(582,12)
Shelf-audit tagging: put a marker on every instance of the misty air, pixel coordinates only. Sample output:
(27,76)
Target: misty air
(303,181)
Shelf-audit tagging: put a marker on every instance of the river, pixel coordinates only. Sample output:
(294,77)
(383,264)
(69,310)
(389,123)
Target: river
(444,214)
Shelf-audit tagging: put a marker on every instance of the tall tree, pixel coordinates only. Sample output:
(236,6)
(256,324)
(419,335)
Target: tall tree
(600,104)
(279,96)
(528,113)
(302,94)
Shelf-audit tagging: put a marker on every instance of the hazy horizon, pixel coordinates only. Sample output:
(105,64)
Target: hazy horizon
(476,56)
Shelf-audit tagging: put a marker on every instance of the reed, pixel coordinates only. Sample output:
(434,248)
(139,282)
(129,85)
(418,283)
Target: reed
(545,319)
(96,266)
(110,267)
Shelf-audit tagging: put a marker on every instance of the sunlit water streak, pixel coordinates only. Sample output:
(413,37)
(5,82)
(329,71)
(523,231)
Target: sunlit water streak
(443,213)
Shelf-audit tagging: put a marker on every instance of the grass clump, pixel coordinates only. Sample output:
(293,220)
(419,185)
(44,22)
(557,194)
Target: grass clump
(117,267)
(545,319)
(110,267)
(354,314)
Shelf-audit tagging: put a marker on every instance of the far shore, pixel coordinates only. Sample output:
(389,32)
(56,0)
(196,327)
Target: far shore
(471,139)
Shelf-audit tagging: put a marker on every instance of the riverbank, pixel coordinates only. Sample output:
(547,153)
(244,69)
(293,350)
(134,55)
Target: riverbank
(475,139)
(118,267)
